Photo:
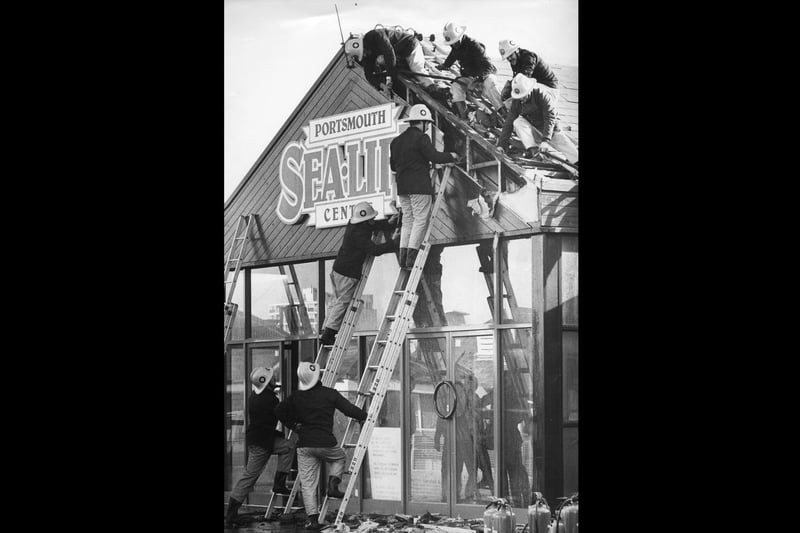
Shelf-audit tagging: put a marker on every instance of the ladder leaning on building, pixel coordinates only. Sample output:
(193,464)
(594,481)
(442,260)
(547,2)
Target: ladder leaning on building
(234,262)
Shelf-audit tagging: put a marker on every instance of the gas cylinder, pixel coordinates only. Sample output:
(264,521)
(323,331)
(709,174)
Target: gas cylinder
(538,514)
(503,520)
(487,516)
(569,515)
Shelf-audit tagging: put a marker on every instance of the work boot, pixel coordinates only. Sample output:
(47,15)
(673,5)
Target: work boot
(402,259)
(233,511)
(312,523)
(328,336)
(279,483)
(333,487)
(411,258)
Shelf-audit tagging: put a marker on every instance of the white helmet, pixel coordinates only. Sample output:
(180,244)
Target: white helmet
(507,47)
(354,46)
(363,211)
(308,374)
(260,378)
(453,32)
(521,86)
(418,112)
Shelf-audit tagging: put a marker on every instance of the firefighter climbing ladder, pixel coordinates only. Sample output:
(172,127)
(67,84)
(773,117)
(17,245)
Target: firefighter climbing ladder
(383,357)
(298,314)
(234,262)
(329,366)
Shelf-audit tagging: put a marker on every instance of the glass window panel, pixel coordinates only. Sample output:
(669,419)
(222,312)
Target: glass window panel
(569,280)
(515,272)
(377,292)
(273,314)
(346,382)
(383,463)
(268,357)
(237,329)
(519,431)
(570,460)
(455,287)
(474,446)
(569,345)
(234,416)
(426,363)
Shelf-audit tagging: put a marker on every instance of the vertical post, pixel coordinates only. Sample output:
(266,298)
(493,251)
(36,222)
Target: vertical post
(248,299)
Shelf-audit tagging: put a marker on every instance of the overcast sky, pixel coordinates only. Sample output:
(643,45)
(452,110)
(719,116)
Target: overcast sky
(276,49)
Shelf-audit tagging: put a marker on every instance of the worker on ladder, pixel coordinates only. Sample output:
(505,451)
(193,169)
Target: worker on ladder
(356,245)
(309,413)
(411,155)
(262,440)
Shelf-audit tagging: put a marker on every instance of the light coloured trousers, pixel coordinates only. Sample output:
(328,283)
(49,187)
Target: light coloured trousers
(309,461)
(257,458)
(490,92)
(531,136)
(416,212)
(416,62)
(343,289)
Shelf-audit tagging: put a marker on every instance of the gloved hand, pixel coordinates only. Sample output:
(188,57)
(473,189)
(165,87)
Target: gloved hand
(457,158)
(545,147)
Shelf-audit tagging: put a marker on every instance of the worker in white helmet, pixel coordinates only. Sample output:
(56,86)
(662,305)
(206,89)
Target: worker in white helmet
(356,245)
(528,63)
(534,118)
(477,71)
(387,49)
(411,155)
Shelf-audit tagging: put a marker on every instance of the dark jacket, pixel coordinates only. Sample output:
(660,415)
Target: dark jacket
(538,108)
(411,154)
(261,420)
(357,245)
(472,58)
(393,45)
(310,414)
(535,67)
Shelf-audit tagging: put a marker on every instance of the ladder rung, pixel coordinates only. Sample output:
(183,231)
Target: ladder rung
(391,317)
(383,341)
(368,393)
(373,367)
(349,445)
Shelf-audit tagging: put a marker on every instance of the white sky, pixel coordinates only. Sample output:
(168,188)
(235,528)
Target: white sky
(276,49)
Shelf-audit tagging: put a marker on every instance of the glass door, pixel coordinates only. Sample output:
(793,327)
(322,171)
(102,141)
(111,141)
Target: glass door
(452,465)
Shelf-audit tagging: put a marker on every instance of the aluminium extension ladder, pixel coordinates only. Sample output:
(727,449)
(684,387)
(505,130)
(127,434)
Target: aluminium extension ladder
(330,367)
(381,362)
(234,261)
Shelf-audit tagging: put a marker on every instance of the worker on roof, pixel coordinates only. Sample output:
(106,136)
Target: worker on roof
(534,118)
(411,155)
(263,440)
(356,245)
(477,71)
(388,49)
(528,63)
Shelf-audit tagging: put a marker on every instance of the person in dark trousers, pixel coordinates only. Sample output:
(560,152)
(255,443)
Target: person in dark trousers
(309,412)
(387,49)
(262,440)
(534,118)
(356,245)
(527,63)
(411,155)
(477,71)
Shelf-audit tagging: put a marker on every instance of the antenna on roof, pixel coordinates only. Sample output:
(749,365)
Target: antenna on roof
(340,23)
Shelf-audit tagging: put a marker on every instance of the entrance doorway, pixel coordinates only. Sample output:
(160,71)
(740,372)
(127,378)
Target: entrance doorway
(452,460)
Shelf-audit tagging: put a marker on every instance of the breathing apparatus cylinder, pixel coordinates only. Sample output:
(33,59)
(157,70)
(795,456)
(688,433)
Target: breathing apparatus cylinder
(503,520)
(569,515)
(538,514)
(487,516)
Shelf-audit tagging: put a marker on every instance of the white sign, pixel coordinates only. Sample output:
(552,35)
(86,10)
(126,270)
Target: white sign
(384,463)
(338,212)
(353,125)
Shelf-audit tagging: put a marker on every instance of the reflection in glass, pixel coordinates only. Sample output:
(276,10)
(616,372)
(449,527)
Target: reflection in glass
(347,379)
(569,280)
(383,463)
(234,416)
(474,449)
(428,473)
(521,441)
(515,273)
(237,329)
(280,307)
